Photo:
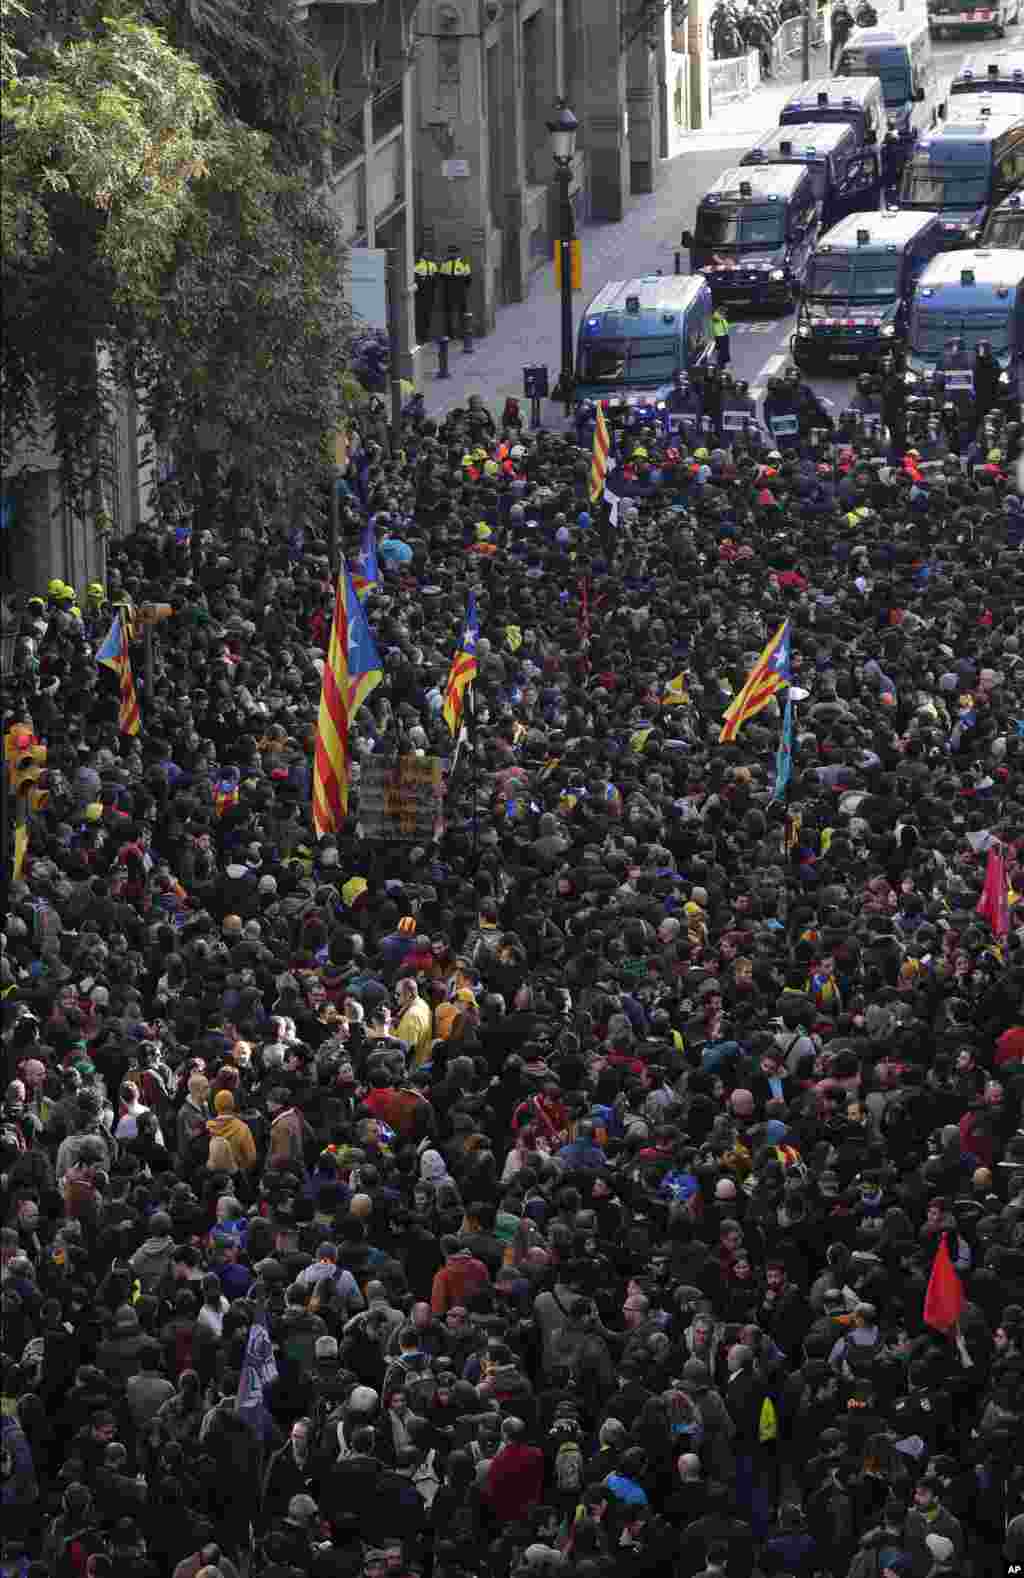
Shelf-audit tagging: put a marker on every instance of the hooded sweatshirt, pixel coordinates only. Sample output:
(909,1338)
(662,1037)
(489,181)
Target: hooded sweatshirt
(227,1125)
(151,1261)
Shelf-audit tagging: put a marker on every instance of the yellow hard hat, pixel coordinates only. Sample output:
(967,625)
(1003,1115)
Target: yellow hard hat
(55,588)
(96,589)
(75,611)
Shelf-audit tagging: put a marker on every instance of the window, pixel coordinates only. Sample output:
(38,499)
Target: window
(734,229)
(698,333)
(933,330)
(651,359)
(923,188)
(1006,230)
(1010,170)
(854,279)
(891,65)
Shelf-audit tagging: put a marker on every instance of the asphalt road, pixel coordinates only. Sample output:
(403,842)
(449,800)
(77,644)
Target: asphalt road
(529,332)
(760,346)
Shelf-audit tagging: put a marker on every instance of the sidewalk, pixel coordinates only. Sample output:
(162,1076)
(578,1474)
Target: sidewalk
(528,332)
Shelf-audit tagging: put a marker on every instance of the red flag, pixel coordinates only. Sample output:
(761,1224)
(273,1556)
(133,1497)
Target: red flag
(584,619)
(994,904)
(944,1301)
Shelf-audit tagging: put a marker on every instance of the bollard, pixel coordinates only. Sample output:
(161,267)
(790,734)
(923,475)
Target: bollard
(679,262)
(442,357)
(467,332)
(535,412)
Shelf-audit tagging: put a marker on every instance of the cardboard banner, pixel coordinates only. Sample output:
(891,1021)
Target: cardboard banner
(401,798)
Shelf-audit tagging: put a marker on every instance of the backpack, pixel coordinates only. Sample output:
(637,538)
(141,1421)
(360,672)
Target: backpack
(859,1358)
(569,1468)
(768,1423)
(75,1551)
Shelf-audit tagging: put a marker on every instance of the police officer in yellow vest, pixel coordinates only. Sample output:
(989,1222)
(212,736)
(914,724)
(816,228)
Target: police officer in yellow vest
(426,284)
(456,273)
(720,328)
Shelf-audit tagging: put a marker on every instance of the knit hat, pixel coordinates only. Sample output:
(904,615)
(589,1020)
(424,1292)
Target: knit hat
(941,1548)
(223,1102)
(363,1400)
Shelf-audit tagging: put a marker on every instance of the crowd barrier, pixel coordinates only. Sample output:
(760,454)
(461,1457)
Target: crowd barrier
(733,79)
(730,80)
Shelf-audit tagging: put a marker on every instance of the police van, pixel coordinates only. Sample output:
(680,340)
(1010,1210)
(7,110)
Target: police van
(846,176)
(1005,226)
(755,230)
(901,58)
(953,18)
(637,334)
(961,170)
(855,101)
(968,297)
(857,291)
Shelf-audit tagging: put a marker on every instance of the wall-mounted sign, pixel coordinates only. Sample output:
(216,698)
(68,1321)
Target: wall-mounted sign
(455,169)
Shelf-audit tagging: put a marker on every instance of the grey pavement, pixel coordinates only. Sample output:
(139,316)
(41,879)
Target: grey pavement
(530,331)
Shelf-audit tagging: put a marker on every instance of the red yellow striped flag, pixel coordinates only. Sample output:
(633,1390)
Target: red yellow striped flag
(463,670)
(768,676)
(114,654)
(599,459)
(352,670)
(128,712)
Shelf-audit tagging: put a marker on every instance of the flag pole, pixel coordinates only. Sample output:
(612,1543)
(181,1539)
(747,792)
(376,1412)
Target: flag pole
(470,720)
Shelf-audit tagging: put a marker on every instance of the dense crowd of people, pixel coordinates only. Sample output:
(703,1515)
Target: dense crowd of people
(586,1167)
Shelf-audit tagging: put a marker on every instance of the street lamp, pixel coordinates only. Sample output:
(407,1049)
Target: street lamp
(563,131)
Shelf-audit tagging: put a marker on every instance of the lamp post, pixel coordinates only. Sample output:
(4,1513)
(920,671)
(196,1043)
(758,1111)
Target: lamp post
(563,131)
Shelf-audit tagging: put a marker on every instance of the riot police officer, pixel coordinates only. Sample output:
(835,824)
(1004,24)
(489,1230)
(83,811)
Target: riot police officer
(986,380)
(711,395)
(893,394)
(809,408)
(779,402)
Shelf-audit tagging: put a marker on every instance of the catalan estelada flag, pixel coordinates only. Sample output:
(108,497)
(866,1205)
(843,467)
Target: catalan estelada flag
(463,669)
(352,670)
(225,794)
(676,693)
(365,571)
(769,674)
(114,654)
(599,460)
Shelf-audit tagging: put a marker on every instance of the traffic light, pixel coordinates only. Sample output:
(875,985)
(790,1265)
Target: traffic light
(26,767)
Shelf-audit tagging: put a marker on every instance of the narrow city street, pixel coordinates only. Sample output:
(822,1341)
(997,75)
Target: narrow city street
(645,241)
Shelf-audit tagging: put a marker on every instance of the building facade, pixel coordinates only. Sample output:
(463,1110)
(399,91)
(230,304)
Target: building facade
(367,48)
(488,74)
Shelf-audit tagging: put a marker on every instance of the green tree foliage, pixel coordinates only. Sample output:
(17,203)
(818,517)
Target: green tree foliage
(142,217)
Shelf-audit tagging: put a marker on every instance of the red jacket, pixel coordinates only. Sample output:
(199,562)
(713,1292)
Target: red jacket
(457,1281)
(515,1481)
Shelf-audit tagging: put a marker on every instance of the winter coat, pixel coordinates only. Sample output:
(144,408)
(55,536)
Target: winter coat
(151,1262)
(228,1126)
